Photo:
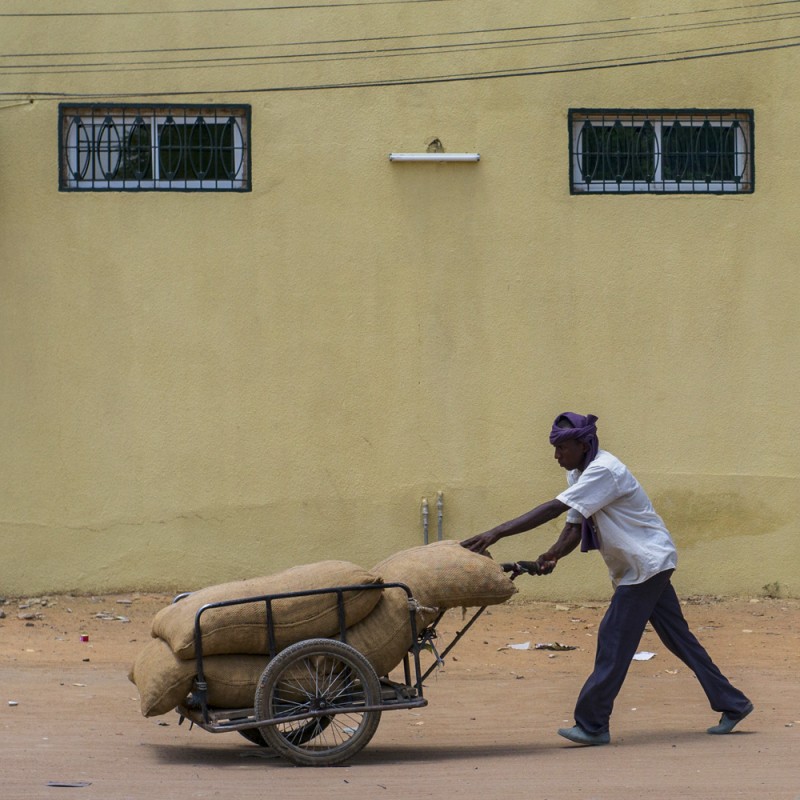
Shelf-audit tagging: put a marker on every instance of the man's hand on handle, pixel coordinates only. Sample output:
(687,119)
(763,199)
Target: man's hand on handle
(546,563)
(480,544)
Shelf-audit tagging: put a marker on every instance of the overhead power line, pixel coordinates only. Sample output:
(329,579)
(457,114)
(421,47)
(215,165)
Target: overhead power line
(163,12)
(663,14)
(348,4)
(552,69)
(433,48)
(387,52)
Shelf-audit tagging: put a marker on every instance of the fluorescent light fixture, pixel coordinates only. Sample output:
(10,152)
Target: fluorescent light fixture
(434,156)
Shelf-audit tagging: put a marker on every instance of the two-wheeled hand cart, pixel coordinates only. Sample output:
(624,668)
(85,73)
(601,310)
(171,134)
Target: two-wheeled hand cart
(318,702)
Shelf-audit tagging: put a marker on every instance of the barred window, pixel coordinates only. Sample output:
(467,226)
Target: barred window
(154,148)
(692,151)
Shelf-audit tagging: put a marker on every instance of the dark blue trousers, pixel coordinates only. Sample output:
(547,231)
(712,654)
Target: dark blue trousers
(618,638)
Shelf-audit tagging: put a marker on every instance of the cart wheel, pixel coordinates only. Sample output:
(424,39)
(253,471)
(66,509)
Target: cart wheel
(316,675)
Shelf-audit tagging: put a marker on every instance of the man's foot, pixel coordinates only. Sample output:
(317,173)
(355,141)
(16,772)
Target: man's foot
(727,723)
(580,736)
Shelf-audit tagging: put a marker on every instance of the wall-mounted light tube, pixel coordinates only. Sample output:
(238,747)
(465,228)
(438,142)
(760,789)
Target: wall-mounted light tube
(434,156)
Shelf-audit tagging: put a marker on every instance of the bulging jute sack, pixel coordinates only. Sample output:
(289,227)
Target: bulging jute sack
(440,575)
(232,680)
(384,635)
(164,681)
(444,574)
(243,629)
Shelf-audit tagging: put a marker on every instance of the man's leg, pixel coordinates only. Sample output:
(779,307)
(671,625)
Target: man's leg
(618,637)
(669,623)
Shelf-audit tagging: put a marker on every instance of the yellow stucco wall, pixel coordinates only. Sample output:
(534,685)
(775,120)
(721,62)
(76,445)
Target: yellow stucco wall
(201,387)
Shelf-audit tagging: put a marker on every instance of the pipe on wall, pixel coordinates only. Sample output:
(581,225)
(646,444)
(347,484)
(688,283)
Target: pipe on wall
(439,518)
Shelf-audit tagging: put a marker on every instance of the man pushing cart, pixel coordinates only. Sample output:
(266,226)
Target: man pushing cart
(607,510)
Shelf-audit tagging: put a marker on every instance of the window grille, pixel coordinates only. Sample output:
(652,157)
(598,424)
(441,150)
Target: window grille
(641,151)
(154,148)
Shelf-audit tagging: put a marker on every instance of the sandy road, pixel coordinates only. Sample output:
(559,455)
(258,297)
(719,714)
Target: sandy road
(488,732)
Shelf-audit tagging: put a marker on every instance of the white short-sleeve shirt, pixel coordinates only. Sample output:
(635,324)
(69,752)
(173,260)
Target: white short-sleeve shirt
(632,537)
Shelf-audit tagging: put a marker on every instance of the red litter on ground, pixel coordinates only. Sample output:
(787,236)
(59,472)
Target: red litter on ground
(84,637)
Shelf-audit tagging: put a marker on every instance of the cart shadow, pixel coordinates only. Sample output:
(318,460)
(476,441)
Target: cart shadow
(372,755)
(212,755)
(382,754)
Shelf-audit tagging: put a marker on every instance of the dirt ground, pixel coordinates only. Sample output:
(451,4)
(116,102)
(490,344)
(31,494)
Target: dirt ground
(68,714)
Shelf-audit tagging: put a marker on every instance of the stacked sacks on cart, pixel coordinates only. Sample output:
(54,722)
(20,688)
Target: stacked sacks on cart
(440,575)
(234,638)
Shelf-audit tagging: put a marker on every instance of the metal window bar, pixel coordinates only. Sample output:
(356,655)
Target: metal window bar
(154,148)
(668,151)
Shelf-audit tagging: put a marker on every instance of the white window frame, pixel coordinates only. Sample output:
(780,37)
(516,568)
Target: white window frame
(82,143)
(659,119)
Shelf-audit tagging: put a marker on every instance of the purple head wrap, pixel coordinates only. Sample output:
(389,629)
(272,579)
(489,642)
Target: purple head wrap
(584,430)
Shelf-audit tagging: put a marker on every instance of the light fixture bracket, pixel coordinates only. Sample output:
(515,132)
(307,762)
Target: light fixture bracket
(464,157)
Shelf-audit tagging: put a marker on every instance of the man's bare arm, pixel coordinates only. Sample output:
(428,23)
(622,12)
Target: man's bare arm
(532,519)
(569,539)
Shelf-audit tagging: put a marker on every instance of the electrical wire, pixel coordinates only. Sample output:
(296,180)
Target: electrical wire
(407,35)
(350,3)
(372,53)
(316,59)
(163,12)
(712,51)
(632,61)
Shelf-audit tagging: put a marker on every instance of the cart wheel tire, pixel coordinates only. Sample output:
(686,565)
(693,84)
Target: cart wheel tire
(314,675)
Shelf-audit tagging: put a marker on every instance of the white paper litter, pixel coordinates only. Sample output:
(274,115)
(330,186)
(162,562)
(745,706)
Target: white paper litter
(643,656)
(539,646)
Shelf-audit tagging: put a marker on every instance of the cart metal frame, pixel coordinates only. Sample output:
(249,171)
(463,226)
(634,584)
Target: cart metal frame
(391,696)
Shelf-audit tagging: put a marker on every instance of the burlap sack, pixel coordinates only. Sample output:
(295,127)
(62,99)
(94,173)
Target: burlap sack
(440,575)
(232,680)
(242,628)
(446,575)
(164,681)
(384,635)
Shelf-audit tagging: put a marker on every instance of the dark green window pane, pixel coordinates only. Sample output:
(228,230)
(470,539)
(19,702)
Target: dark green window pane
(700,152)
(170,150)
(618,152)
(196,151)
(123,149)
(137,162)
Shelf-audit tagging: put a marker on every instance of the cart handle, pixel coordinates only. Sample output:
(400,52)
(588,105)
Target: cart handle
(517,568)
